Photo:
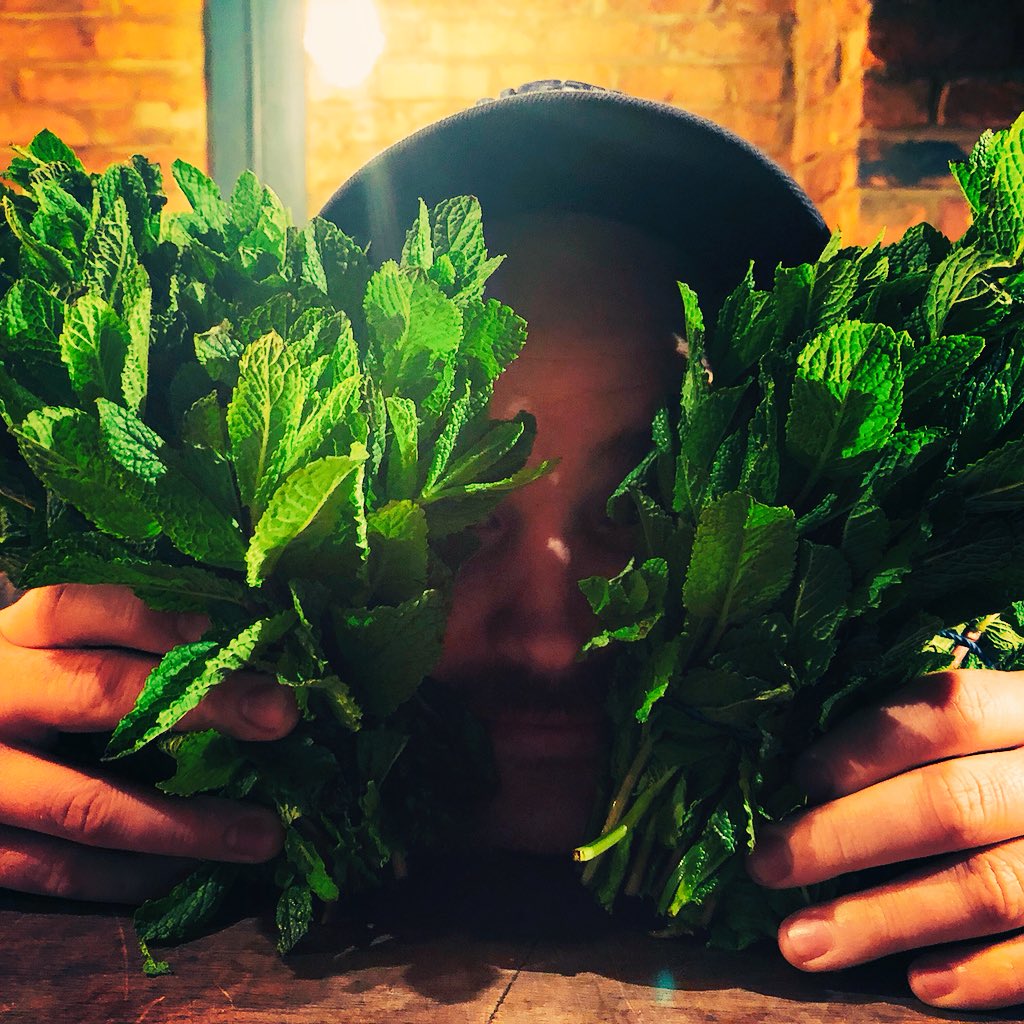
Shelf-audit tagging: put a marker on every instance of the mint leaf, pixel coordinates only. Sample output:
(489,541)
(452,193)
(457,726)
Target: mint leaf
(263,416)
(186,909)
(206,761)
(846,398)
(391,672)
(314,524)
(63,448)
(294,915)
(211,213)
(743,558)
(819,604)
(94,344)
(184,676)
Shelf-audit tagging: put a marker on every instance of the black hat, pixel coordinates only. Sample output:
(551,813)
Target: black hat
(569,146)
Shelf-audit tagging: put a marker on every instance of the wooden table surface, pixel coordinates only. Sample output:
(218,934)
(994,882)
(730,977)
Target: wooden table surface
(526,954)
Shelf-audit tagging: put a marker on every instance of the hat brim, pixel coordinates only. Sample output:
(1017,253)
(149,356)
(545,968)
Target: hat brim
(713,197)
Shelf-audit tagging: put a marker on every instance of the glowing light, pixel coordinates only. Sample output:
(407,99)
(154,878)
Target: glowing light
(344,40)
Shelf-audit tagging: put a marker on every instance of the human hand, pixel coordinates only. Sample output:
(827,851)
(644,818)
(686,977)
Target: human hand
(938,773)
(73,659)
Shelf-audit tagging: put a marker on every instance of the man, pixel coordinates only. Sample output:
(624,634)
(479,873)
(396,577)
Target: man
(602,203)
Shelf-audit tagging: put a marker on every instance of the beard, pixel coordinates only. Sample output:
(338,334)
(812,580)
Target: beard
(549,736)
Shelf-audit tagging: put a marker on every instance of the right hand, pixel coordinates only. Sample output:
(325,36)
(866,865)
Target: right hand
(74,658)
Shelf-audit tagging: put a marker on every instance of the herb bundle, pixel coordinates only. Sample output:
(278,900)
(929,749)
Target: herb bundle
(234,416)
(841,481)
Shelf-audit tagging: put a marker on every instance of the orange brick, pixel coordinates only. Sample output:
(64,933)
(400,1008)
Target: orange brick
(482,38)
(78,89)
(403,79)
(37,9)
(19,123)
(695,88)
(66,39)
(759,84)
(626,41)
(726,41)
(179,41)
(160,10)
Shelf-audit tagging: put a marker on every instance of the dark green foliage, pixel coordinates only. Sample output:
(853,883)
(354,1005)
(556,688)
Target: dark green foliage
(233,416)
(843,477)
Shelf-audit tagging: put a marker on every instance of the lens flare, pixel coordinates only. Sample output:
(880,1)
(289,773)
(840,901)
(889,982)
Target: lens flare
(344,40)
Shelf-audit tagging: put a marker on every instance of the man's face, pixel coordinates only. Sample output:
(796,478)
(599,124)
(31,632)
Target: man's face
(598,360)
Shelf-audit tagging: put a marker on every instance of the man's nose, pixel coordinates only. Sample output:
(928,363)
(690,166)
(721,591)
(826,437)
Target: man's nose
(544,619)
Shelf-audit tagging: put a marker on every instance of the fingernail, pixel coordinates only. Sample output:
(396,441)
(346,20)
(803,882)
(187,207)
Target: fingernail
(266,707)
(190,626)
(253,838)
(930,986)
(808,939)
(770,862)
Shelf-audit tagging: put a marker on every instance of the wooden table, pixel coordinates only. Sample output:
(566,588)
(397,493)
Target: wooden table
(480,954)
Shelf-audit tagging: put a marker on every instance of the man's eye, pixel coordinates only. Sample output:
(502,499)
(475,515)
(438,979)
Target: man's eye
(613,531)
(493,525)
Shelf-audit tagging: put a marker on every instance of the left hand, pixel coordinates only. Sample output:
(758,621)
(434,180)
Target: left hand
(937,772)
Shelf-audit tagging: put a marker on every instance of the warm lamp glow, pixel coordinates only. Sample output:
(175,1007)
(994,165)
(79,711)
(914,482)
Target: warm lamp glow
(344,39)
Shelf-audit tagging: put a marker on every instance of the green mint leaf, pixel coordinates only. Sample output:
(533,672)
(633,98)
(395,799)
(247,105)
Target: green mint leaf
(64,449)
(403,448)
(32,318)
(111,255)
(184,676)
(205,761)
(744,554)
(182,498)
(330,428)
(330,257)
(746,329)
(960,277)
(48,263)
(487,459)
(846,398)
(294,916)
(94,558)
(493,336)
(219,350)
(418,250)
(303,856)
(202,193)
(314,524)
(819,606)
(94,344)
(995,483)
(457,233)
(262,417)
(186,909)
(390,671)
(205,424)
(934,370)
(397,538)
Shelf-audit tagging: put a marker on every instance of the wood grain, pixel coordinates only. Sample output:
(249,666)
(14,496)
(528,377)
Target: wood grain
(464,956)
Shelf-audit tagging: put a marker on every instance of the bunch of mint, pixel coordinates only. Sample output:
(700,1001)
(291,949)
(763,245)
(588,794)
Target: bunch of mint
(232,415)
(841,481)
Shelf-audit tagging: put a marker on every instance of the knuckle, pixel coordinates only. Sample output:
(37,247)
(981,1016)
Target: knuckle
(103,689)
(81,814)
(965,711)
(995,888)
(964,802)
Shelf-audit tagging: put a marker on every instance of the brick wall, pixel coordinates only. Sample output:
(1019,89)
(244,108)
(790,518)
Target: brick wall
(111,77)
(785,74)
(941,72)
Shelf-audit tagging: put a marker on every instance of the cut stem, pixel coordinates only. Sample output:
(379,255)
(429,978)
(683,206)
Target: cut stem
(636,812)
